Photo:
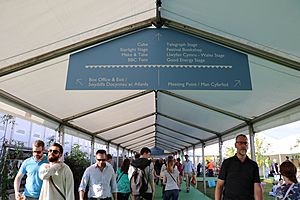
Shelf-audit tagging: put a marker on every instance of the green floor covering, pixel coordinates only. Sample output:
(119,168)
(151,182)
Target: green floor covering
(183,195)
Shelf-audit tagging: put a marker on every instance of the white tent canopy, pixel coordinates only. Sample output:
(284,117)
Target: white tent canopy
(37,41)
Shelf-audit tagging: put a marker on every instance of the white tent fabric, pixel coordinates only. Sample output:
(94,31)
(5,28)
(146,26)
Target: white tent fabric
(172,120)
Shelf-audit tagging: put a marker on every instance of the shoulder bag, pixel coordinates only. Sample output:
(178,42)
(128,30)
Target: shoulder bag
(63,196)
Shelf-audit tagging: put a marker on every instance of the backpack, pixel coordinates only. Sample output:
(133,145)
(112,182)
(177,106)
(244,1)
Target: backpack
(139,182)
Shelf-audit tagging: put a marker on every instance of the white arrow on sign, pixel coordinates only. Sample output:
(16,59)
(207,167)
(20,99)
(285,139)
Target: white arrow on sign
(78,82)
(158,35)
(237,83)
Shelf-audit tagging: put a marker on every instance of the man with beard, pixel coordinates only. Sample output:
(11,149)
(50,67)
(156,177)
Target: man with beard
(30,167)
(57,177)
(239,175)
(100,178)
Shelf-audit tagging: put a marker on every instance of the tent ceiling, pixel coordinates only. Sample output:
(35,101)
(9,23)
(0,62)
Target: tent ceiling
(172,120)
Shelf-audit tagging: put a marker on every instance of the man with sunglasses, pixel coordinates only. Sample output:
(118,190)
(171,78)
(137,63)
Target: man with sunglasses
(100,178)
(30,167)
(57,177)
(239,175)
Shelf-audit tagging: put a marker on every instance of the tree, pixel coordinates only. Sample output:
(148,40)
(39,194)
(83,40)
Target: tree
(4,167)
(229,152)
(78,161)
(297,147)
(260,150)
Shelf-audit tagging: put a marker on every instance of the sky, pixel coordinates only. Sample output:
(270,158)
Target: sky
(281,139)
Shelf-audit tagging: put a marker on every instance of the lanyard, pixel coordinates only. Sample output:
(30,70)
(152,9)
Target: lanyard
(287,192)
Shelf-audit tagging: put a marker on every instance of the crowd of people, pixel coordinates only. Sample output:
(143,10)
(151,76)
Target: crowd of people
(48,177)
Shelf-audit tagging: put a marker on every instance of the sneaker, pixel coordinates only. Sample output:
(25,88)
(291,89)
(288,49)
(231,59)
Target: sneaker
(187,190)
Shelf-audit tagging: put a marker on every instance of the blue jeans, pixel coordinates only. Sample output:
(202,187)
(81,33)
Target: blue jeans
(171,195)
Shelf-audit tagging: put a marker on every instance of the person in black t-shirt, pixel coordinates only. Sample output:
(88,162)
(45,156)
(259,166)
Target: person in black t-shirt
(239,176)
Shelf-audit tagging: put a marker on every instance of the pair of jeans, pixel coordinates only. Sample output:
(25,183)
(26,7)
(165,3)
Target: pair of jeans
(31,198)
(171,195)
(123,196)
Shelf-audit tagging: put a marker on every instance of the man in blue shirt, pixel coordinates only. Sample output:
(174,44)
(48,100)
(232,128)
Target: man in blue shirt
(100,178)
(30,167)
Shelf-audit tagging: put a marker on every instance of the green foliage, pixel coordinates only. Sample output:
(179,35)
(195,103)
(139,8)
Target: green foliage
(229,152)
(4,181)
(6,175)
(260,150)
(78,161)
(297,147)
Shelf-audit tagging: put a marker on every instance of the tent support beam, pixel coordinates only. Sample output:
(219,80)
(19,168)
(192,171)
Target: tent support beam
(184,134)
(277,110)
(143,137)
(170,141)
(123,124)
(166,145)
(34,109)
(132,132)
(74,47)
(203,168)
(224,112)
(114,103)
(190,124)
(92,149)
(165,148)
(137,144)
(174,137)
(252,145)
(138,148)
(220,150)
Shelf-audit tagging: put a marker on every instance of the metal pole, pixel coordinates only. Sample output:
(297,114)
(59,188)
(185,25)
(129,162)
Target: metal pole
(92,149)
(118,147)
(220,150)
(107,148)
(251,136)
(194,159)
(203,169)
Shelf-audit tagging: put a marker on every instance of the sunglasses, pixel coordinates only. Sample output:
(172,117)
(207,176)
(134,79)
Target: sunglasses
(37,152)
(53,151)
(245,143)
(101,159)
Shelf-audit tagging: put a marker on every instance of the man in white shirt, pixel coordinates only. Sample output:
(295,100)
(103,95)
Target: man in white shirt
(100,178)
(188,170)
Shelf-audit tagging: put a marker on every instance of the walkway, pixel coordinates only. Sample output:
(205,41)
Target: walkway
(183,195)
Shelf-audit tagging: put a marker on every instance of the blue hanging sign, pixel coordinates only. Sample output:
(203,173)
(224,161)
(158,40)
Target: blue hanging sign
(159,59)
(157,151)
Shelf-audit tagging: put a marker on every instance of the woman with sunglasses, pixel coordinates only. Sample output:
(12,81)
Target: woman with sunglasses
(290,190)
